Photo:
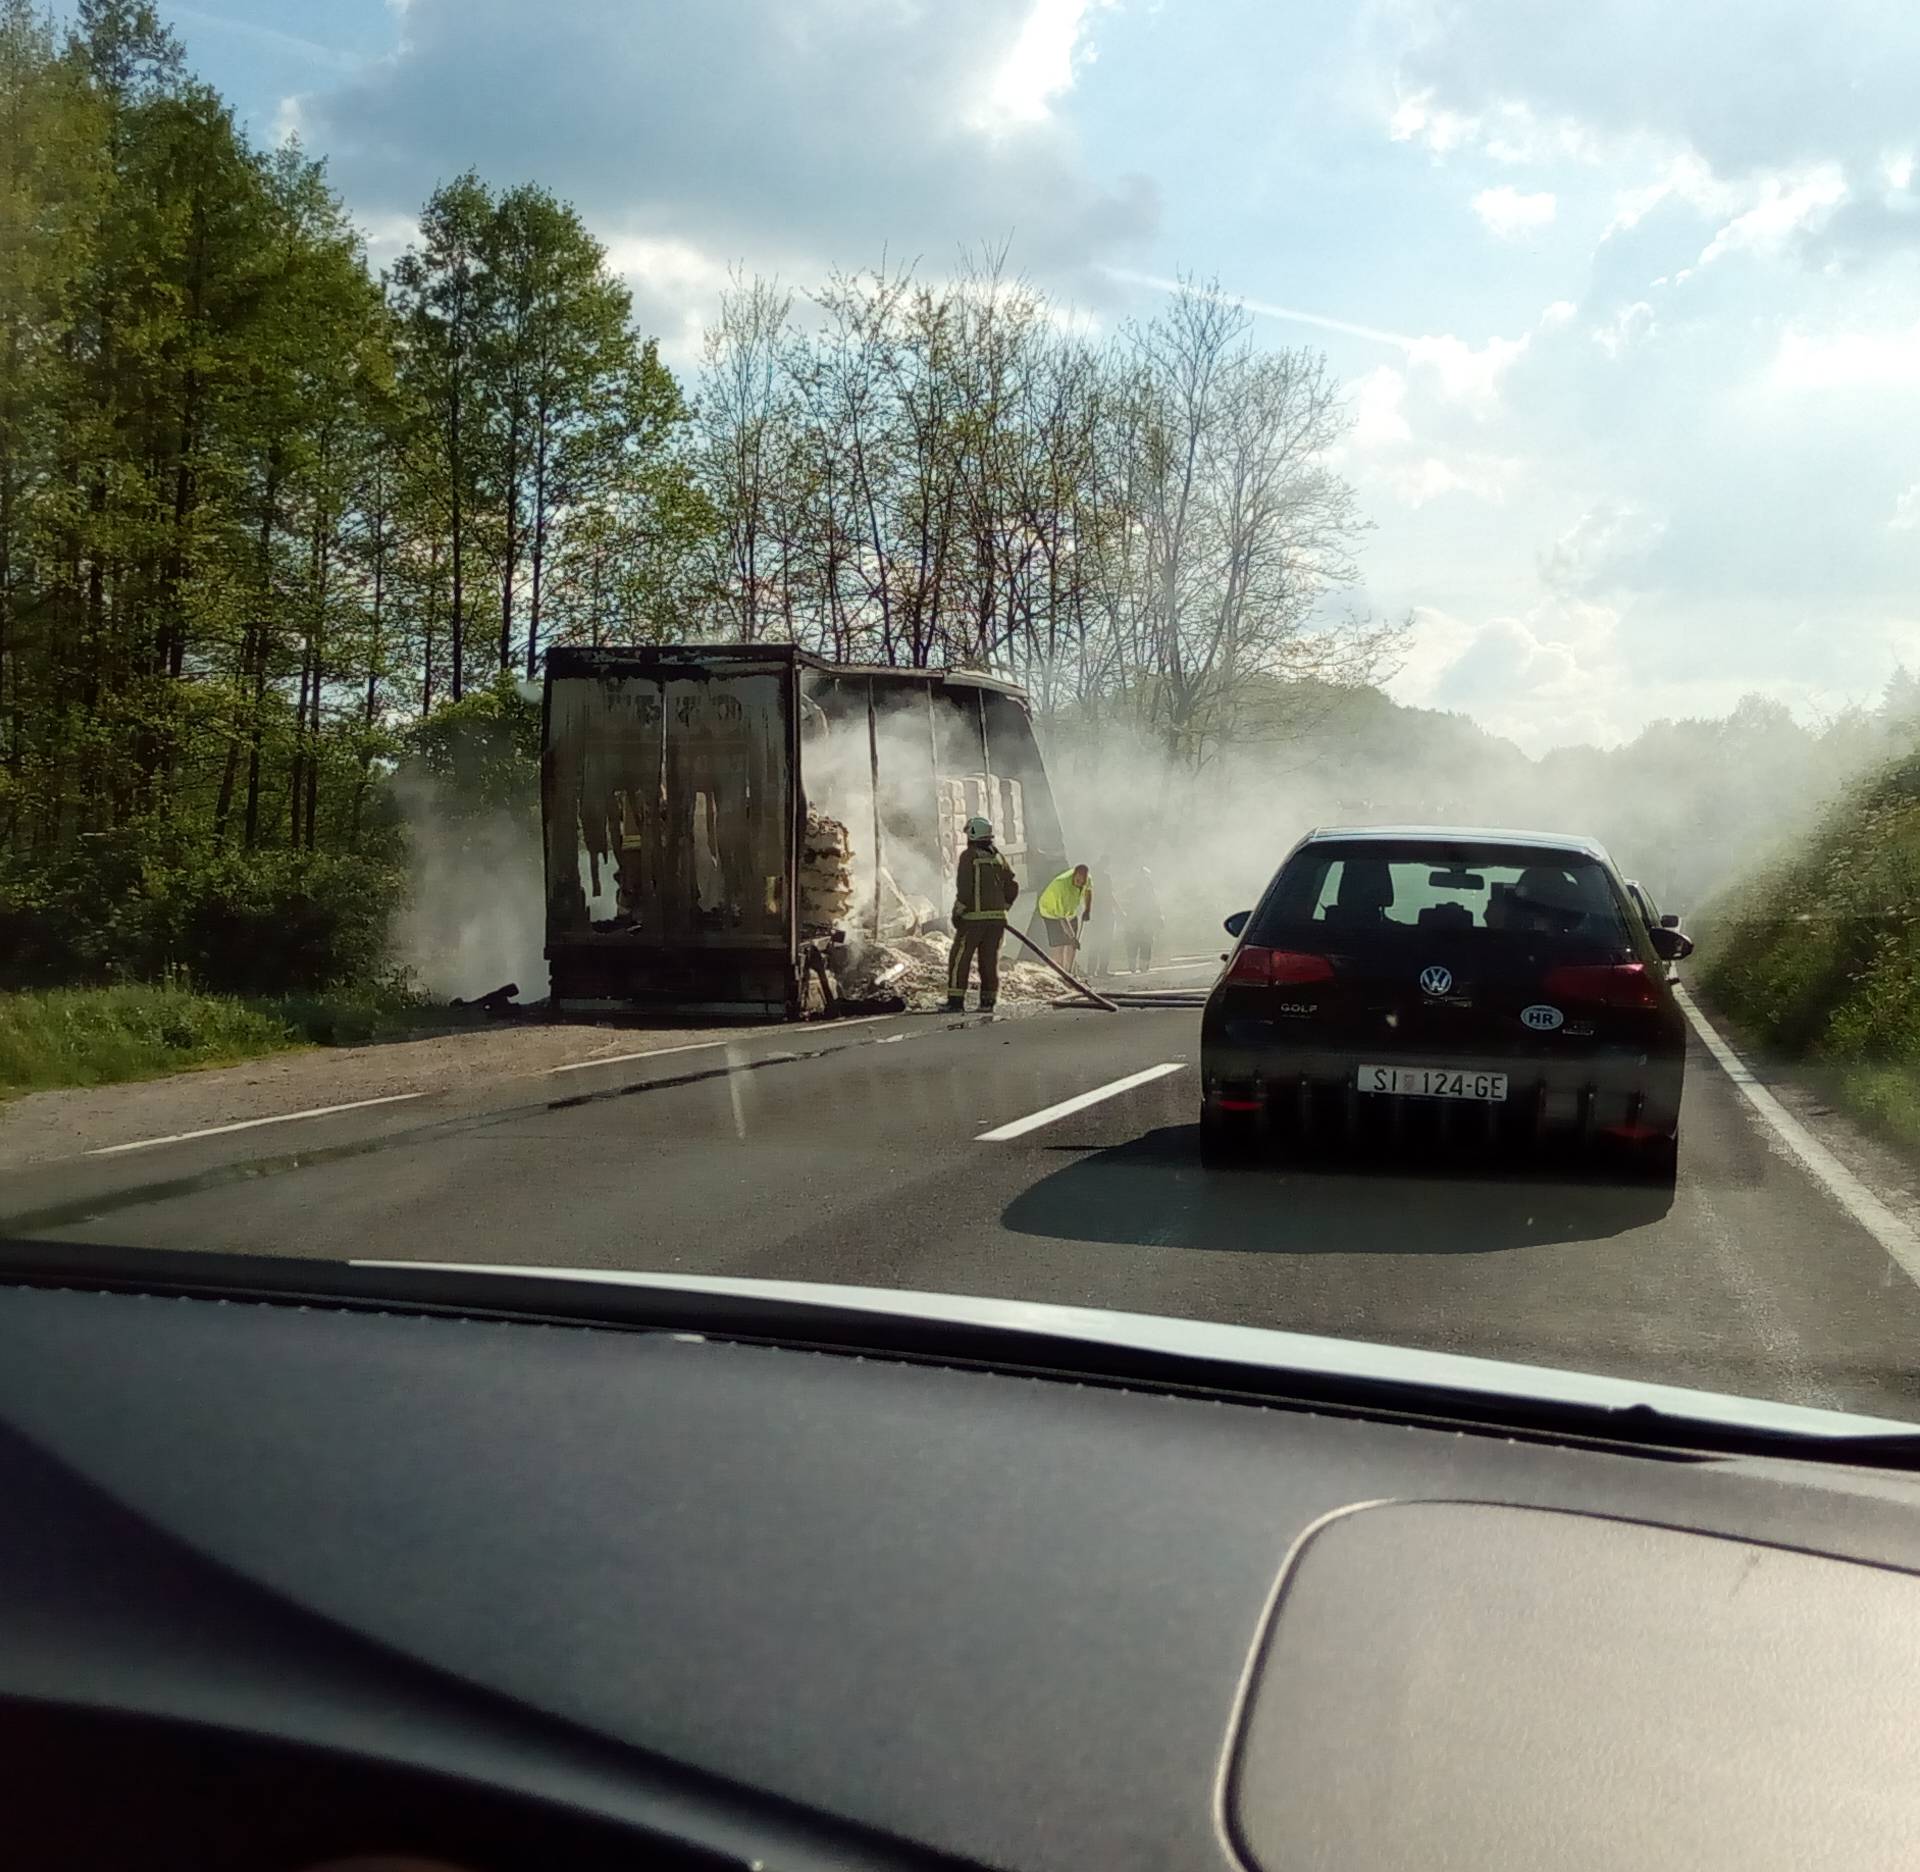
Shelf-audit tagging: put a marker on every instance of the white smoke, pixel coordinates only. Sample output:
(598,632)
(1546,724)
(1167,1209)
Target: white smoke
(837,770)
(475,915)
(1686,810)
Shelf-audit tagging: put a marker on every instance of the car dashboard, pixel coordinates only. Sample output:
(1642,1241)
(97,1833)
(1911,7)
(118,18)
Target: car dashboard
(299,1565)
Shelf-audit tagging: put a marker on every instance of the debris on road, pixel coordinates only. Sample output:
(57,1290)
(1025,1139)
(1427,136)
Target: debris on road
(495,1001)
(915,967)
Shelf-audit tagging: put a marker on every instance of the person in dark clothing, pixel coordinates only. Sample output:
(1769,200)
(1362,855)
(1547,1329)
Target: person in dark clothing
(984,891)
(1140,909)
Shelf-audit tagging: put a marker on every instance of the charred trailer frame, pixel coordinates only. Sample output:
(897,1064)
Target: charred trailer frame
(675,789)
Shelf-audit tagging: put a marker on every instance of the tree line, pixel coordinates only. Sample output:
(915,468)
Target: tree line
(259,508)
(1146,526)
(274,524)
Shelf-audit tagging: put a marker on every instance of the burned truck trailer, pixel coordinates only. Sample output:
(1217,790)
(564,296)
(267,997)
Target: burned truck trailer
(709,812)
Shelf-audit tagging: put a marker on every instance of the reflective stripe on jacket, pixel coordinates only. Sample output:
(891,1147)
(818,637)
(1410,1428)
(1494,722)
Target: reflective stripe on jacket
(984,887)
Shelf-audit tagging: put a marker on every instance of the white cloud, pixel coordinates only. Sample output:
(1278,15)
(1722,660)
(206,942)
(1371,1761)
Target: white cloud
(1847,360)
(1508,131)
(830,132)
(387,235)
(1507,213)
(1526,678)
(1742,375)
(1464,373)
(673,280)
(1607,547)
(1683,177)
(1783,210)
(1414,483)
(1629,326)
(1038,67)
(1381,448)
(1417,119)
(1752,85)
(1379,412)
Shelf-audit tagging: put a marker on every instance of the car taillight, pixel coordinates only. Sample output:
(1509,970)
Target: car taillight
(1620,984)
(1277,968)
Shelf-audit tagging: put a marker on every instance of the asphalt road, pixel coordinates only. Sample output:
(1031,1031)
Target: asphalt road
(853,1154)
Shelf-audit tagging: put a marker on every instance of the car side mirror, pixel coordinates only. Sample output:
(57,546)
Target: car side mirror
(1669,945)
(1669,922)
(1237,922)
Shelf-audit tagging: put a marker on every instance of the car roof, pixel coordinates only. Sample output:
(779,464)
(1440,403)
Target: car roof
(1458,835)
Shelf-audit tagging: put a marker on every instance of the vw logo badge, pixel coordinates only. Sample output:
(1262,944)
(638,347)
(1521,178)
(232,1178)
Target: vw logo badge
(1436,980)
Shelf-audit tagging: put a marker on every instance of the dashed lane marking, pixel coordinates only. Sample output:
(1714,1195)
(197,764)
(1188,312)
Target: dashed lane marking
(622,1059)
(699,1046)
(1019,1127)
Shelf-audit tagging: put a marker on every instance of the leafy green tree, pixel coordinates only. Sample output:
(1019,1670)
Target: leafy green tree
(442,295)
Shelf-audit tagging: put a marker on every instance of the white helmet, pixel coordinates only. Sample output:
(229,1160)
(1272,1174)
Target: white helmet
(978,828)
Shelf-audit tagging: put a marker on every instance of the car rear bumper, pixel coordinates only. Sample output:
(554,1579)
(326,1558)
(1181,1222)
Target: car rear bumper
(1619,1096)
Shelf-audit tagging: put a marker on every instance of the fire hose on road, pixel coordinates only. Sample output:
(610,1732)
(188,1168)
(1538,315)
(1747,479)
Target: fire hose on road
(1079,987)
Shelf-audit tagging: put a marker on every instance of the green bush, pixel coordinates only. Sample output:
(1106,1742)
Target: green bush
(273,922)
(1819,956)
(134,907)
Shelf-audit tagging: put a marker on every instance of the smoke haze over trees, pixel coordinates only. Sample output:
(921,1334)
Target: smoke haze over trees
(274,528)
(945,473)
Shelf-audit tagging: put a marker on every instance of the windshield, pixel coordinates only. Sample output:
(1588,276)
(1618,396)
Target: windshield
(1380,888)
(1249,664)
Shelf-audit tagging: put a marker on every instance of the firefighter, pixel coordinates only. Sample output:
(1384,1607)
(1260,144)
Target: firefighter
(983,893)
(1066,905)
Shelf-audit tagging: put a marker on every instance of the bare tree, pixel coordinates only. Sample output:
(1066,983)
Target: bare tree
(742,420)
(1246,528)
(1145,531)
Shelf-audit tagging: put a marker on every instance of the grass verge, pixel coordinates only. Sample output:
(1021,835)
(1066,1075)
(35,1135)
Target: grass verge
(1816,959)
(103,1036)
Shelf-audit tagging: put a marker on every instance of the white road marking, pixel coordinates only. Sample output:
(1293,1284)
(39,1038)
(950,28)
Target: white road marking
(698,1046)
(1019,1127)
(1891,1231)
(252,1124)
(621,1059)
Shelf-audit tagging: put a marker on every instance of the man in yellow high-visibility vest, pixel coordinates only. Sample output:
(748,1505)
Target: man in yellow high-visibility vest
(984,891)
(1066,904)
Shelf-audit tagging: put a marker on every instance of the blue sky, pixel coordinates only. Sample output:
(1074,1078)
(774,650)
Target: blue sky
(1635,358)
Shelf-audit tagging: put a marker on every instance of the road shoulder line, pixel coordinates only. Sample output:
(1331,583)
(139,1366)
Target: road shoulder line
(1019,1127)
(1893,1233)
(251,1124)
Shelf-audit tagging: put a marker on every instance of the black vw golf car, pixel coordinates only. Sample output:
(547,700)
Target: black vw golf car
(1464,986)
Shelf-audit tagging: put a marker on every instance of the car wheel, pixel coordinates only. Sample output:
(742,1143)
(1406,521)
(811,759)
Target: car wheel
(1226,1143)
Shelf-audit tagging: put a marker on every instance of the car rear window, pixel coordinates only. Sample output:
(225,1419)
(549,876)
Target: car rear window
(1558,897)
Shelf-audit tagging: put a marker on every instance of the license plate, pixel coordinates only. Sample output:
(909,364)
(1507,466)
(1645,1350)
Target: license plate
(1441,1082)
